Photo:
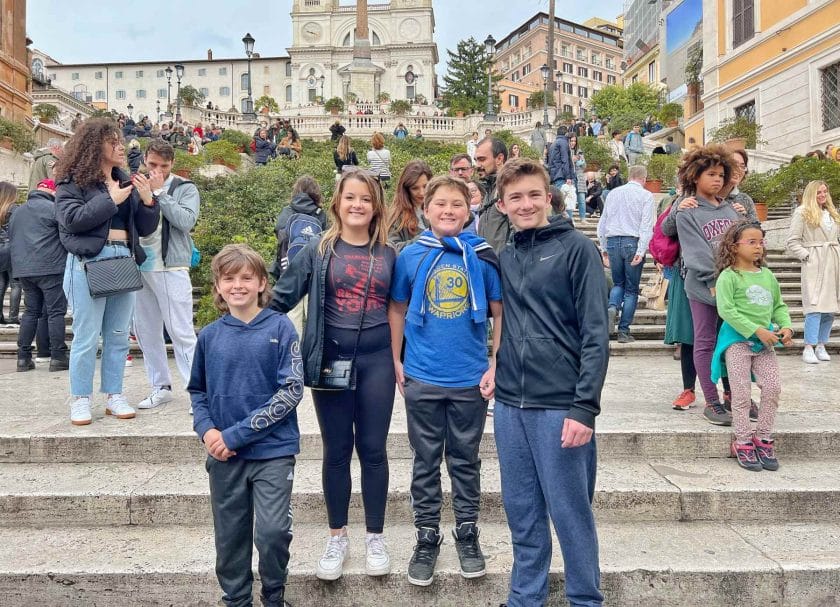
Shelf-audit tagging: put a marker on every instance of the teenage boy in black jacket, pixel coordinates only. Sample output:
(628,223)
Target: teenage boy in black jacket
(550,372)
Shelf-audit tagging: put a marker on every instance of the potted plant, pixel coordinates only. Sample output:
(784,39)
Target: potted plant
(597,155)
(400,107)
(239,139)
(46,112)
(737,133)
(383,97)
(186,163)
(670,114)
(15,136)
(223,152)
(756,187)
(334,105)
(662,172)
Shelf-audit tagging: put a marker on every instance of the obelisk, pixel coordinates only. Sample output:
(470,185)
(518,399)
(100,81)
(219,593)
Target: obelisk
(362,71)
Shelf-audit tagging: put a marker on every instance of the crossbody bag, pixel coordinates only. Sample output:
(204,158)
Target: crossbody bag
(113,275)
(340,373)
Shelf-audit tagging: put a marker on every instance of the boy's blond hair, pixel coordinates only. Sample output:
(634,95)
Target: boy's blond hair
(446,181)
(232,259)
(516,169)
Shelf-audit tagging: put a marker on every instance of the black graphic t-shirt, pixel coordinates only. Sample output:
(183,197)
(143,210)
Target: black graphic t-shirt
(346,278)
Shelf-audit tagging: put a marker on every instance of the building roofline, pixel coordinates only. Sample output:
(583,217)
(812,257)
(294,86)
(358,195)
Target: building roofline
(171,62)
(524,28)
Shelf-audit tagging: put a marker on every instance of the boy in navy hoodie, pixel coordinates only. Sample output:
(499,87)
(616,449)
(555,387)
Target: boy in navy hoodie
(445,287)
(247,380)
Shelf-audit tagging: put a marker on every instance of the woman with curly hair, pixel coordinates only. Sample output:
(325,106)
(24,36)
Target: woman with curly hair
(101,214)
(406,219)
(701,219)
(813,239)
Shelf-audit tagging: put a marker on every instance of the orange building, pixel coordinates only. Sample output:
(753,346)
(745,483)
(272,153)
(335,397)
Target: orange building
(586,58)
(775,62)
(15,102)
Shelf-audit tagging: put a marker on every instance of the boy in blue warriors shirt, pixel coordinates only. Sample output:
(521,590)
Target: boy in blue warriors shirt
(445,287)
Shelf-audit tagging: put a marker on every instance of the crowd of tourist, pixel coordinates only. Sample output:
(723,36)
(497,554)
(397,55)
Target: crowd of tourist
(369,299)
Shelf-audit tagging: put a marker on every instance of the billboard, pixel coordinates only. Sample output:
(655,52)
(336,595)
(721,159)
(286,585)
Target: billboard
(683,32)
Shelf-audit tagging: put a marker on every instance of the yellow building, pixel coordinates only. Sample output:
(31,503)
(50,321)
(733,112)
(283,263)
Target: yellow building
(777,61)
(15,102)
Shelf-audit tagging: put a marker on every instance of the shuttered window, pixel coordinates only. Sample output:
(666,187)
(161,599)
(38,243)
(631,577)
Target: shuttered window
(743,21)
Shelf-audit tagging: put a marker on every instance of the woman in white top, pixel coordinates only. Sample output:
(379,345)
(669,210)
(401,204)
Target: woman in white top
(814,231)
(379,159)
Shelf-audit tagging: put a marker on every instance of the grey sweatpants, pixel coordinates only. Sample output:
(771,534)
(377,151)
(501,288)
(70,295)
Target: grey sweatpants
(444,421)
(251,505)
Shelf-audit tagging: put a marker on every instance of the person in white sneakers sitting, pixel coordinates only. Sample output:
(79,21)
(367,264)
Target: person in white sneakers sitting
(166,298)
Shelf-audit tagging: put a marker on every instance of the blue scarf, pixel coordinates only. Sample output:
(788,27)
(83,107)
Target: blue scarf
(466,245)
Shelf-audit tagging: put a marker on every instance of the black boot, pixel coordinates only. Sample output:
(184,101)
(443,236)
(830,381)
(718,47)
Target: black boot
(59,362)
(25,364)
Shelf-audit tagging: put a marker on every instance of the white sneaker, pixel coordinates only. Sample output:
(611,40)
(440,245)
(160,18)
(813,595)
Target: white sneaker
(40,360)
(119,407)
(377,559)
(158,397)
(808,355)
(821,353)
(331,565)
(129,360)
(80,411)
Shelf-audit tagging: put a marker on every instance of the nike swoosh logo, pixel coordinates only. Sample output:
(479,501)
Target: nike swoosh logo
(549,257)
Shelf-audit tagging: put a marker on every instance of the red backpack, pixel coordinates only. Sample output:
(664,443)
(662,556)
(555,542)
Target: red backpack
(663,249)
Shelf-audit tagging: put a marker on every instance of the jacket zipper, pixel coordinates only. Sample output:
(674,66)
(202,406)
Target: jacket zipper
(524,327)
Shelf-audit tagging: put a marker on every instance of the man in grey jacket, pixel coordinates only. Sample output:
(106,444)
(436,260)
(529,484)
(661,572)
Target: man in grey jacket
(166,297)
(493,225)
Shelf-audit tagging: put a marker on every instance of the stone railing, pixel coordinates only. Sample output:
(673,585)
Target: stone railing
(440,128)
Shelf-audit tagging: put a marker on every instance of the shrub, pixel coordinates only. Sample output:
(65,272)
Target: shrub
(223,152)
(237,138)
(186,162)
(595,152)
(334,104)
(21,136)
(663,167)
(789,181)
(756,186)
(400,107)
(670,112)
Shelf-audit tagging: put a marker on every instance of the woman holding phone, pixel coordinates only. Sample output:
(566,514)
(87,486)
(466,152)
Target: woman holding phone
(101,214)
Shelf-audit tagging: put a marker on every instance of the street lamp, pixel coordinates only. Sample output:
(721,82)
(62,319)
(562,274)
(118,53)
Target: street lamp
(559,84)
(490,49)
(248,41)
(130,110)
(168,71)
(545,71)
(322,78)
(179,73)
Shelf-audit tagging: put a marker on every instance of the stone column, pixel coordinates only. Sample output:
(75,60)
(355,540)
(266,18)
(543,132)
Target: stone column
(361,20)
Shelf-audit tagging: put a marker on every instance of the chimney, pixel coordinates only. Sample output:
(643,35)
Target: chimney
(209,54)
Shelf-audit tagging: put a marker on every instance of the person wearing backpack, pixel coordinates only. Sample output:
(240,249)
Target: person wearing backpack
(300,221)
(166,299)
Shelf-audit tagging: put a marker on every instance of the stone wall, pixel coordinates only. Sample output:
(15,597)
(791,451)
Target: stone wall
(14,167)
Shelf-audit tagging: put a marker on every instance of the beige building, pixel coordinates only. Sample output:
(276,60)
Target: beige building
(586,59)
(15,102)
(642,30)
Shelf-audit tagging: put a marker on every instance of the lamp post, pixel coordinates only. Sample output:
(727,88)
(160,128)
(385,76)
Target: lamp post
(168,71)
(544,71)
(130,110)
(179,73)
(321,79)
(248,41)
(559,84)
(490,49)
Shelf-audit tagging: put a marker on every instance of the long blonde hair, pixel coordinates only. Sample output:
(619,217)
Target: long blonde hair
(378,228)
(343,149)
(811,210)
(8,196)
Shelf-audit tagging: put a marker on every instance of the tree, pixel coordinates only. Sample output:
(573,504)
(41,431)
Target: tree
(626,106)
(267,101)
(466,80)
(46,112)
(537,98)
(191,95)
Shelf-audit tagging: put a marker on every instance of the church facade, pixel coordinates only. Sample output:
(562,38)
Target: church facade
(403,52)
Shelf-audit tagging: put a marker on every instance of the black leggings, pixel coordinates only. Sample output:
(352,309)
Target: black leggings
(689,373)
(359,418)
(15,291)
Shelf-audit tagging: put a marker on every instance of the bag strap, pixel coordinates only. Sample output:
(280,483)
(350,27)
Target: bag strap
(364,305)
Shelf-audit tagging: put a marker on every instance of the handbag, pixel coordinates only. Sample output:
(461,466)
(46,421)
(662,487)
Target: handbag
(340,373)
(655,292)
(112,276)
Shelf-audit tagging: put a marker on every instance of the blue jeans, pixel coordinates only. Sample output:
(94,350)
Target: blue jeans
(108,316)
(624,294)
(540,479)
(581,200)
(818,327)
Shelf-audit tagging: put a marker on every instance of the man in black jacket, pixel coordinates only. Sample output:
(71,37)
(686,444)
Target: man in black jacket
(490,155)
(550,372)
(38,260)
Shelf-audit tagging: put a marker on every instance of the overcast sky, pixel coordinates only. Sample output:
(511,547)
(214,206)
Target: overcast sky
(90,31)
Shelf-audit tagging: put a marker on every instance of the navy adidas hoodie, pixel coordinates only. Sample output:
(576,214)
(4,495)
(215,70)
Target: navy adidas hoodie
(246,381)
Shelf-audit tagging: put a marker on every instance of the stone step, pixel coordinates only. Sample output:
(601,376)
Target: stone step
(684,489)
(657,332)
(646,316)
(678,564)
(655,347)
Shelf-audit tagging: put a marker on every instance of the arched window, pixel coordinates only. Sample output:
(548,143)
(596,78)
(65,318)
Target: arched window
(349,39)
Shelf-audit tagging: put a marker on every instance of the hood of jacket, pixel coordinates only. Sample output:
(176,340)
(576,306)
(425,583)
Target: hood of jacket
(36,195)
(135,152)
(41,153)
(556,226)
(303,203)
(263,317)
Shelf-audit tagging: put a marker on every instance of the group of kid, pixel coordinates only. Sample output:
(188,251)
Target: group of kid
(416,320)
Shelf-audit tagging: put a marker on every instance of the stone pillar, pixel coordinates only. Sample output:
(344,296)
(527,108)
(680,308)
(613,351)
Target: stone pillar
(361,20)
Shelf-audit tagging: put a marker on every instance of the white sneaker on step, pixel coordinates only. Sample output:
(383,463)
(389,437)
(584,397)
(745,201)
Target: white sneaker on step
(158,397)
(821,353)
(80,411)
(331,564)
(809,356)
(119,407)
(377,559)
